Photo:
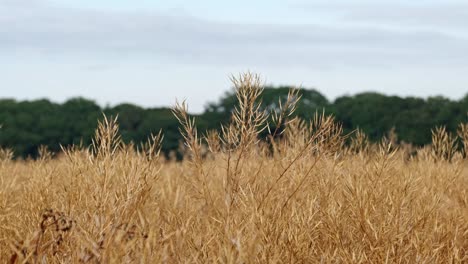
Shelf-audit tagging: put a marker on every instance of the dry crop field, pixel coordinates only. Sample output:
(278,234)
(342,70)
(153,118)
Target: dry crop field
(301,196)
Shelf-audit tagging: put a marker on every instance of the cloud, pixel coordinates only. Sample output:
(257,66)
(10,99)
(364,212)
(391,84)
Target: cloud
(53,31)
(443,17)
(446,16)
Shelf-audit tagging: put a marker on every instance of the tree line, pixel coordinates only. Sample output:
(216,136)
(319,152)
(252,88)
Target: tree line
(27,125)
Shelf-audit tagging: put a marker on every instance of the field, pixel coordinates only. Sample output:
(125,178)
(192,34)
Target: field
(306,194)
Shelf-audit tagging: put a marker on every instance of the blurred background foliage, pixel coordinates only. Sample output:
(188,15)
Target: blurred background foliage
(26,125)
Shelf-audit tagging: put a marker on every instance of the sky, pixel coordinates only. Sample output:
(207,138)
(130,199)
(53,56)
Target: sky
(152,52)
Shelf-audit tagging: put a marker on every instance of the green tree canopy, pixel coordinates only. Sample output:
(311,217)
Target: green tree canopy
(25,125)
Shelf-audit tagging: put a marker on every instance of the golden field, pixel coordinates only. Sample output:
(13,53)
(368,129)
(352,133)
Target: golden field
(307,194)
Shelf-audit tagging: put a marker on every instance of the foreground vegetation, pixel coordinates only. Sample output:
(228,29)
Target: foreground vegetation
(302,195)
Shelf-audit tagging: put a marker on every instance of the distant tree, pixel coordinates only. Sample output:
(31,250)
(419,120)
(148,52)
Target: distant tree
(28,124)
(311,101)
(130,118)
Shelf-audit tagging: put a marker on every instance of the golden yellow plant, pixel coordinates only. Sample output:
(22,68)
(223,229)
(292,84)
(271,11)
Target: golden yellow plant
(307,199)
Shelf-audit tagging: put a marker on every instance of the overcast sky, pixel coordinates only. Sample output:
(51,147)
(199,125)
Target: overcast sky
(150,52)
